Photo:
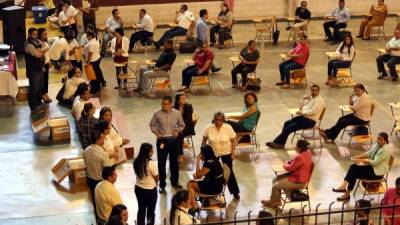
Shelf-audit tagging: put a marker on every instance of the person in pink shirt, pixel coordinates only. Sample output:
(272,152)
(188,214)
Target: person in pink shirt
(297,60)
(392,197)
(297,175)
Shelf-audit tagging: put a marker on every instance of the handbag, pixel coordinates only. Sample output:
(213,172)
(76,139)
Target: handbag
(275,34)
(90,74)
(253,84)
(298,196)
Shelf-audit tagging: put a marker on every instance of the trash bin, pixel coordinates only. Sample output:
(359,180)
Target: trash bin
(39,14)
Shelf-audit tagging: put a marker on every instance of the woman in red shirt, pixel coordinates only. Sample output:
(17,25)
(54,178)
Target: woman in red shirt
(297,175)
(297,60)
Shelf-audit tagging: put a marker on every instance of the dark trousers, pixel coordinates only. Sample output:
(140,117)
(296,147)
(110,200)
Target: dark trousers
(336,27)
(232,183)
(75,63)
(95,84)
(285,68)
(181,139)
(92,185)
(343,122)
(45,84)
(243,69)
(170,147)
(223,34)
(176,31)
(119,70)
(74,27)
(391,62)
(147,200)
(359,172)
(188,73)
(237,126)
(293,125)
(142,36)
(87,19)
(333,66)
(35,88)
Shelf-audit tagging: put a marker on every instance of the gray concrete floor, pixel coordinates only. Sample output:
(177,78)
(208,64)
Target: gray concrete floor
(28,196)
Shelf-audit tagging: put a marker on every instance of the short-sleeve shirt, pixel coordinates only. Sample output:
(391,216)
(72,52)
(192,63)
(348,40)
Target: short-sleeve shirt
(301,49)
(394,43)
(62,18)
(220,139)
(148,181)
(73,44)
(305,15)
(112,24)
(166,58)
(59,46)
(71,12)
(202,57)
(94,47)
(71,86)
(249,56)
(185,19)
(215,169)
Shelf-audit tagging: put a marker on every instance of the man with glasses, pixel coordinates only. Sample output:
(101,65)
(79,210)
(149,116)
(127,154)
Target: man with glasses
(301,20)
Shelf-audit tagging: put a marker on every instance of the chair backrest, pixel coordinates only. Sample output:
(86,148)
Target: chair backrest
(311,173)
(391,161)
(227,173)
(257,119)
(321,116)
(372,108)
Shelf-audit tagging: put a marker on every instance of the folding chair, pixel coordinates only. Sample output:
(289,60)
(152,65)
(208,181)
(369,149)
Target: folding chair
(393,107)
(314,130)
(359,138)
(298,76)
(161,83)
(264,29)
(230,38)
(188,144)
(366,185)
(286,199)
(379,30)
(131,77)
(344,76)
(149,41)
(202,197)
(252,134)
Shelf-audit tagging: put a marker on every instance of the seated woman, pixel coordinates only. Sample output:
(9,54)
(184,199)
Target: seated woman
(373,164)
(377,17)
(345,52)
(298,174)
(119,49)
(108,146)
(180,206)
(115,136)
(186,110)
(211,171)
(360,104)
(392,197)
(297,60)
(71,86)
(223,27)
(86,124)
(247,121)
(120,210)
(249,57)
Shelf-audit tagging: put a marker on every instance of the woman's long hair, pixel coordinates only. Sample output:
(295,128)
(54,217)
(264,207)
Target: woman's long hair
(177,199)
(86,109)
(361,87)
(103,111)
(248,94)
(208,153)
(140,163)
(347,45)
(385,136)
(222,13)
(176,101)
(117,210)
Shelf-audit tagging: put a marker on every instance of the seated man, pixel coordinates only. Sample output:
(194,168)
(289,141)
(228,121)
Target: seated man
(147,29)
(302,18)
(113,22)
(162,65)
(377,18)
(311,107)
(60,49)
(391,58)
(337,19)
(184,19)
(297,59)
(203,58)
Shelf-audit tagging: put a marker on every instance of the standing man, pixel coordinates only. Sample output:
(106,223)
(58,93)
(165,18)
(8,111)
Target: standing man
(113,22)
(336,19)
(89,9)
(146,25)
(184,20)
(34,59)
(302,18)
(166,124)
(391,58)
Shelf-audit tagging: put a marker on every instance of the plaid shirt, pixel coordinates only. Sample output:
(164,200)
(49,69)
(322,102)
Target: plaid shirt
(86,126)
(95,159)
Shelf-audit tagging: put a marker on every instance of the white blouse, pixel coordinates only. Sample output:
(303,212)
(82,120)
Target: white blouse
(125,46)
(347,56)
(148,182)
(362,107)
(220,139)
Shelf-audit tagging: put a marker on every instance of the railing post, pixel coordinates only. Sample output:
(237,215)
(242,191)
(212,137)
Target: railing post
(329,212)
(235,217)
(290,216)
(316,213)
(248,217)
(165,221)
(342,214)
(302,215)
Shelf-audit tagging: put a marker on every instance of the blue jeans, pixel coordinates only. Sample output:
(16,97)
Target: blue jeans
(293,125)
(188,73)
(285,68)
(176,31)
(333,66)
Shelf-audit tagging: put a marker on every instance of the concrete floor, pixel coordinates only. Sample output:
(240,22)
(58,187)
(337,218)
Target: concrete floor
(28,196)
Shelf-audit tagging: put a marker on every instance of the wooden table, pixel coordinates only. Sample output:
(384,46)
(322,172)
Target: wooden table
(345,108)
(293,111)
(228,114)
(188,62)
(234,60)
(276,165)
(284,56)
(332,55)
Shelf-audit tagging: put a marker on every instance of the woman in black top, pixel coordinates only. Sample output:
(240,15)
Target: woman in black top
(249,57)
(186,110)
(211,172)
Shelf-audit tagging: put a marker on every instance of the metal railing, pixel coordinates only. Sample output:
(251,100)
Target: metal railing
(340,216)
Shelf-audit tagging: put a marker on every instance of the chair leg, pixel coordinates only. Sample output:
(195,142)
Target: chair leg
(394,126)
(355,190)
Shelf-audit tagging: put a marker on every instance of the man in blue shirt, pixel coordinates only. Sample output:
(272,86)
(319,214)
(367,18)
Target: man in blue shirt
(202,27)
(337,19)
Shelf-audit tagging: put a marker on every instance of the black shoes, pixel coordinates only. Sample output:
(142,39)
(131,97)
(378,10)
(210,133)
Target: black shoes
(162,190)
(338,190)
(236,196)
(215,69)
(394,79)
(382,76)
(274,145)
(177,186)
(288,28)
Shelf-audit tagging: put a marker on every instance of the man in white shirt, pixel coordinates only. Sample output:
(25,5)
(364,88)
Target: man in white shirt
(146,26)
(59,50)
(184,20)
(71,14)
(311,107)
(337,19)
(113,22)
(106,195)
(79,101)
(391,58)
